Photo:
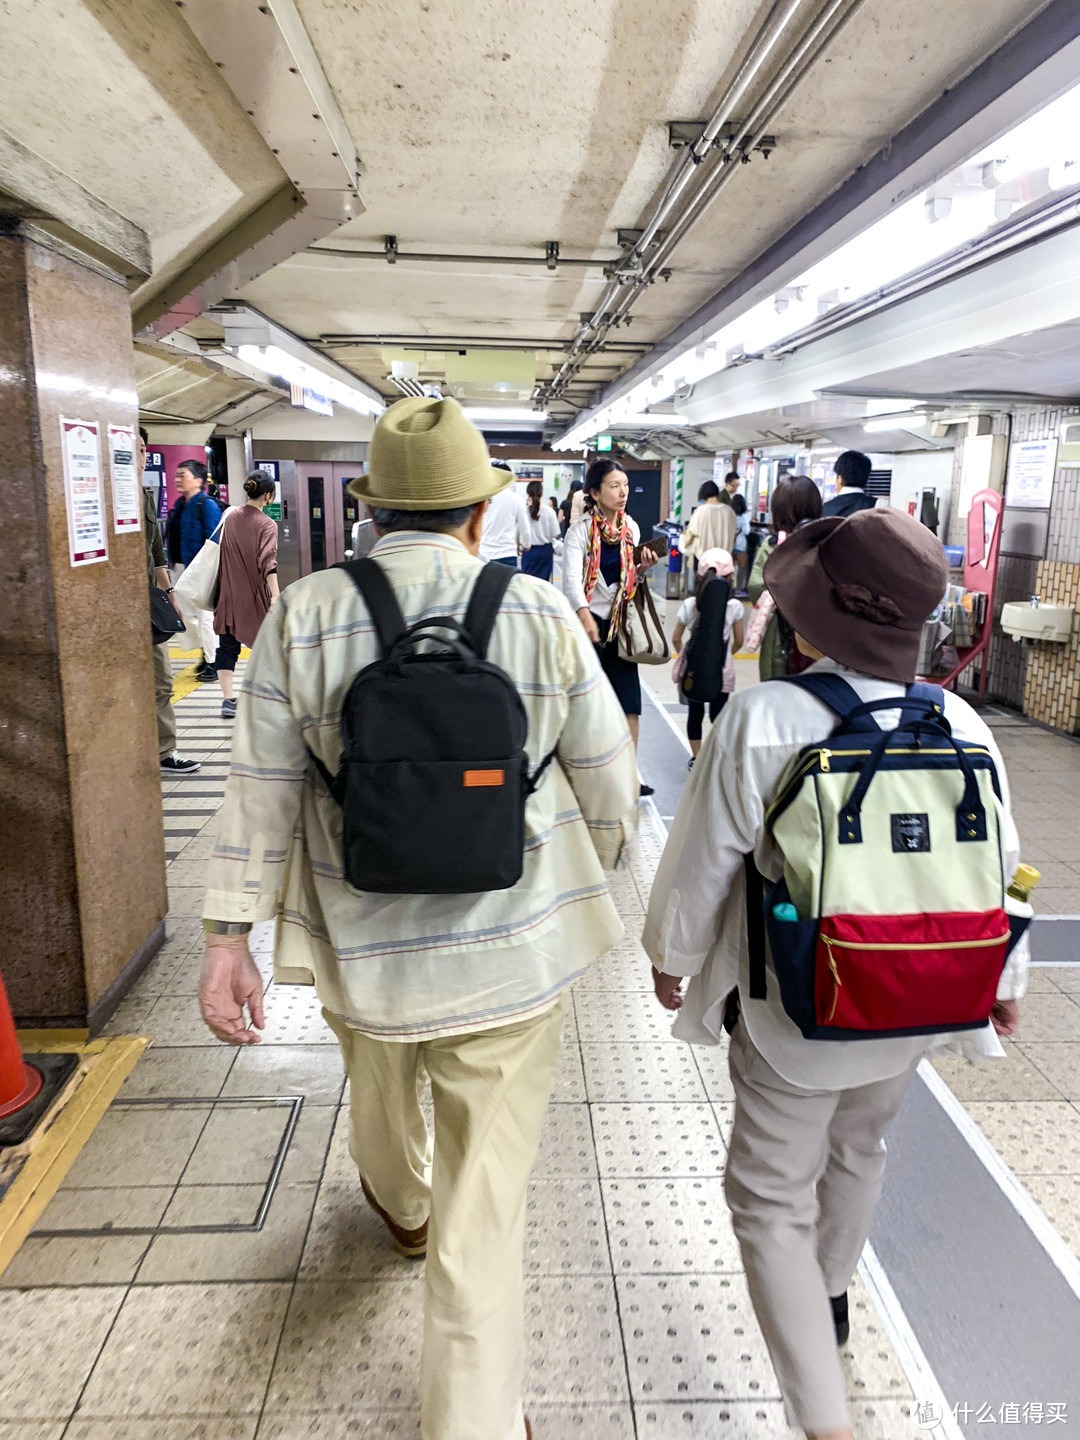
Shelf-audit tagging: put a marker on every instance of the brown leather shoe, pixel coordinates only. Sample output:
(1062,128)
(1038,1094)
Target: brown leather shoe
(410,1243)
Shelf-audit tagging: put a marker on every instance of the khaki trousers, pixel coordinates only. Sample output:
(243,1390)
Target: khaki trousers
(163,688)
(490,1092)
(804,1175)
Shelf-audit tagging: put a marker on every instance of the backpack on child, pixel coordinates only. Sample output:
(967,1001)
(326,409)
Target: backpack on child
(702,674)
(890,916)
(433,778)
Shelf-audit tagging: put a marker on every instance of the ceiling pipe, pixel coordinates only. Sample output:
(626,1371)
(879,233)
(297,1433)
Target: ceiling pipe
(432,258)
(464,342)
(691,156)
(620,297)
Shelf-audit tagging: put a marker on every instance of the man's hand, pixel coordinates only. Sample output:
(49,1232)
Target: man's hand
(588,619)
(1005,1017)
(668,990)
(230,980)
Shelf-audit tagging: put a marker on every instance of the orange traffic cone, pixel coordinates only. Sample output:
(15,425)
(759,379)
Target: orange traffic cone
(19,1082)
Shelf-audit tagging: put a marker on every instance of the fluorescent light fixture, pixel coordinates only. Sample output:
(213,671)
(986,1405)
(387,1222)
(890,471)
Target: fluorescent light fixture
(654,422)
(903,420)
(510,416)
(1036,158)
(889,407)
(272,360)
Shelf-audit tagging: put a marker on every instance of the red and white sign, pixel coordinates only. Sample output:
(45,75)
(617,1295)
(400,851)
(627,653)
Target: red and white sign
(85,492)
(125,482)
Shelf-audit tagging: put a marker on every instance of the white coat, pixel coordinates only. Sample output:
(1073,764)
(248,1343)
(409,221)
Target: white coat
(696,922)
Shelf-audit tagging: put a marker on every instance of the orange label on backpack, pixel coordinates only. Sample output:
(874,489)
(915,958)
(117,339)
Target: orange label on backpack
(483,779)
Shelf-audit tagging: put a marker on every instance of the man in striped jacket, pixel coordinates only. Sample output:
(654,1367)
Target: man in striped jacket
(469,990)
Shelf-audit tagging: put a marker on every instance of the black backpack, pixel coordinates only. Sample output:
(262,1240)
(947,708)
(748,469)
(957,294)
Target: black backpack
(433,776)
(706,654)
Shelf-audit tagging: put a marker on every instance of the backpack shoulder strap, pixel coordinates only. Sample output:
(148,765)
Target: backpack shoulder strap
(755,929)
(921,690)
(831,690)
(378,595)
(491,585)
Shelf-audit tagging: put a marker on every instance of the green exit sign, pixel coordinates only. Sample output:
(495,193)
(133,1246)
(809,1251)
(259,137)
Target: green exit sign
(603,442)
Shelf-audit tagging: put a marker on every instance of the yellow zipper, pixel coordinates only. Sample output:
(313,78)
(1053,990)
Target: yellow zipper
(829,943)
(920,945)
(823,759)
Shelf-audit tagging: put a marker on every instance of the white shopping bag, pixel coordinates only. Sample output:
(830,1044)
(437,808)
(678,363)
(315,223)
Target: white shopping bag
(197,587)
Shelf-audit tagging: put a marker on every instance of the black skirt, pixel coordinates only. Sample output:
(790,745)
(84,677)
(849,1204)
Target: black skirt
(622,674)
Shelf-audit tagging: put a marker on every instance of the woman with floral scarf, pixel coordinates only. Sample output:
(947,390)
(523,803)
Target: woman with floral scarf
(601,574)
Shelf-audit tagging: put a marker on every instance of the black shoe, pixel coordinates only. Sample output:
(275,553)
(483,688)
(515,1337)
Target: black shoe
(205,673)
(690,762)
(646,790)
(840,1317)
(175,764)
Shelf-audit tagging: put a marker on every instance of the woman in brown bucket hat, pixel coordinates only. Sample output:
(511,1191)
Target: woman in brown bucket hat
(806,1157)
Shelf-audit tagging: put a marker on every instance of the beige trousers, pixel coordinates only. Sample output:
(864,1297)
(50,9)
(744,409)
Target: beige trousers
(490,1093)
(804,1175)
(163,688)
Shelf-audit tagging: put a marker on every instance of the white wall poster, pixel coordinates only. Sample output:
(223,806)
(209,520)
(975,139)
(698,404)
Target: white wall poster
(125,483)
(1031,474)
(84,491)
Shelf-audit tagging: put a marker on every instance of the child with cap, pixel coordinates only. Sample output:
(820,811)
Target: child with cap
(806,1158)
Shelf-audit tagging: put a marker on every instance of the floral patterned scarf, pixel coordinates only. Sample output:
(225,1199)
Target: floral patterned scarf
(618,533)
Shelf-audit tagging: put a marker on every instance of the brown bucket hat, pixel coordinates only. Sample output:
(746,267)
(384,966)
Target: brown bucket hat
(861,588)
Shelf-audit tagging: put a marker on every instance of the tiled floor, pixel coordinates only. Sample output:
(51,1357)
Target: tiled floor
(638,1320)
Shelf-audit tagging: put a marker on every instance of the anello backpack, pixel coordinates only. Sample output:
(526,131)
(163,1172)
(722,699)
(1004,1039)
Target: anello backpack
(890,918)
(433,778)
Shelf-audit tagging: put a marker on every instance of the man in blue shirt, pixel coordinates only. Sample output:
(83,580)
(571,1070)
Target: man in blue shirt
(192,521)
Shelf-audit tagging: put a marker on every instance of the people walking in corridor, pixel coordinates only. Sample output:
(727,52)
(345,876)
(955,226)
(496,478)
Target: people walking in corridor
(539,558)
(712,524)
(806,1156)
(795,502)
(602,568)
(506,524)
(248,581)
(192,521)
(468,990)
(708,631)
(170,759)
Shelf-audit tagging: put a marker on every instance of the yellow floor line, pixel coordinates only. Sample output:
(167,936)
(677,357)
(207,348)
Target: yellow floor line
(39,1166)
(184,683)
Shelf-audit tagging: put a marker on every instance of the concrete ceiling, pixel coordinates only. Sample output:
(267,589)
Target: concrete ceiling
(490,129)
(119,95)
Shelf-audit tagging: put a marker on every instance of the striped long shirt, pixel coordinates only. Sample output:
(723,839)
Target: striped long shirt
(405,967)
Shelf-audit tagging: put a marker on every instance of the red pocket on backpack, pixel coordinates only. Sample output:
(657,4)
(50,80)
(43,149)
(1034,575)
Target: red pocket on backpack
(906,972)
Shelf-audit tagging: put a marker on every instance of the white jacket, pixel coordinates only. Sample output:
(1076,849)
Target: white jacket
(574,547)
(696,922)
(401,967)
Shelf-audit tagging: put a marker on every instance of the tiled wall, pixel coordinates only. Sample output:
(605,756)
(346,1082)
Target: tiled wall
(1041,680)
(1052,691)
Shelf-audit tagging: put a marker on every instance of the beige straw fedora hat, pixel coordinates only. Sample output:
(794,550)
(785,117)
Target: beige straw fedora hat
(425,455)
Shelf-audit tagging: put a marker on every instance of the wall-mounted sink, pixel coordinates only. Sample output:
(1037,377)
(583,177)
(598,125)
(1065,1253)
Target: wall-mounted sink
(1024,621)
